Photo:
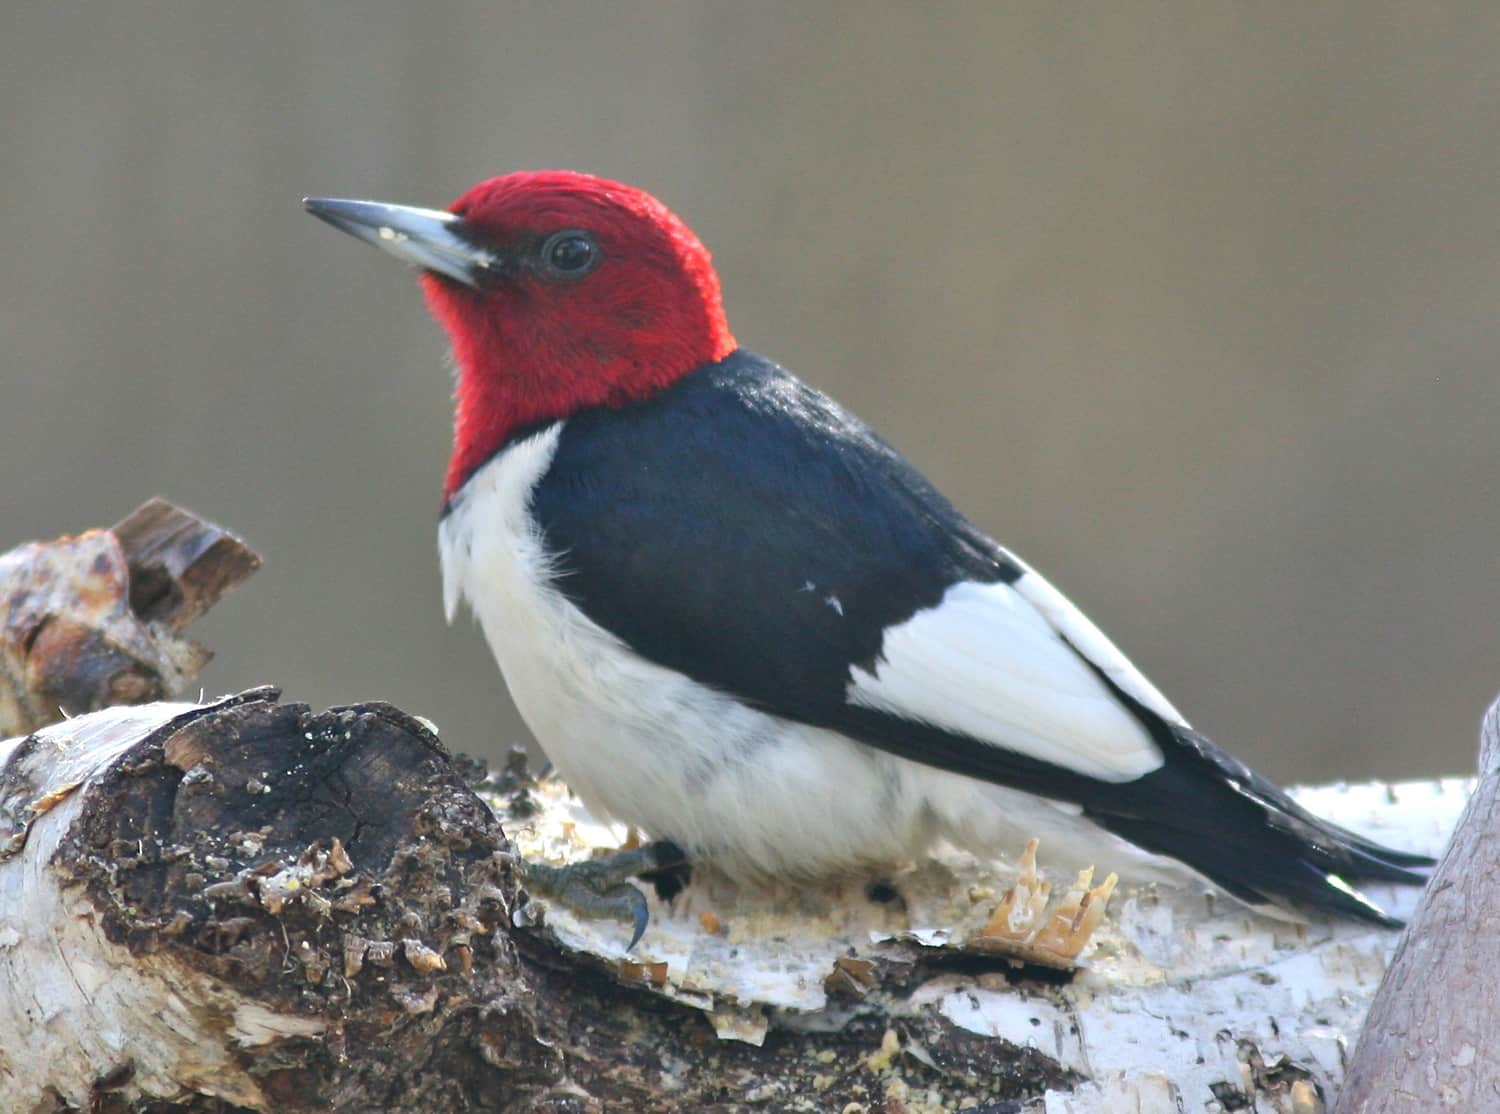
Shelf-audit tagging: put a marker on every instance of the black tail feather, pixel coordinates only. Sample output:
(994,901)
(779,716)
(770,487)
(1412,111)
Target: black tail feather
(1210,811)
(1277,875)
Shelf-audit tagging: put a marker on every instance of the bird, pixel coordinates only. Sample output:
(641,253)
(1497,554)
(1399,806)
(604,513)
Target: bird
(736,618)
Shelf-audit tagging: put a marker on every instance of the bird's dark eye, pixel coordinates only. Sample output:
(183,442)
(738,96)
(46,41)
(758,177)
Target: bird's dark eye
(569,254)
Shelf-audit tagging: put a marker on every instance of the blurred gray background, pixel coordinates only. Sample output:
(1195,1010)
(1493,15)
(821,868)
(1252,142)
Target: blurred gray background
(1193,305)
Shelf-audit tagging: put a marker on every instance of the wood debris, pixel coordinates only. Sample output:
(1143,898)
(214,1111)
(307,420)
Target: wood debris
(92,621)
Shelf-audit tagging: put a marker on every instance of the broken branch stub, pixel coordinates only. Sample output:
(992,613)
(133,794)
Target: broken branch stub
(92,621)
(180,565)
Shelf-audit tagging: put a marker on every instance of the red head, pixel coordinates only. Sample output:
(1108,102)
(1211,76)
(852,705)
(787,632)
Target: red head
(559,291)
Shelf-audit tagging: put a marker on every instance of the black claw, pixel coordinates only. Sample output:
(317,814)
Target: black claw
(601,887)
(642,918)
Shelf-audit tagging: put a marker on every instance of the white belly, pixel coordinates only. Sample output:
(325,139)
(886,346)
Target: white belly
(756,794)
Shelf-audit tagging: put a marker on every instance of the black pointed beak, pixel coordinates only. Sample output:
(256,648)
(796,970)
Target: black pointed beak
(430,238)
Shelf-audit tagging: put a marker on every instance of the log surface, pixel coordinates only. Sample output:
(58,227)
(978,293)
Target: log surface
(255,906)
(1187,1000)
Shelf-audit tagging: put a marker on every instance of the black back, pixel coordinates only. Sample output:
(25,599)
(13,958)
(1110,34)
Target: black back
(742,529)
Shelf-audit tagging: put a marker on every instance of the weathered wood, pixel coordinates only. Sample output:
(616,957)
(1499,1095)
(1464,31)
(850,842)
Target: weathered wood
(1428,1043)
(91,621)
(254,906)
(180,565)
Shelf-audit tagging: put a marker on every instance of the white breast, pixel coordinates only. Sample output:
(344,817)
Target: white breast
(643,744)
(653,748)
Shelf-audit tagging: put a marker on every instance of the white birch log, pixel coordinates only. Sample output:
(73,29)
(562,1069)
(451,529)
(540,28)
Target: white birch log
(75,1007)
(1185,1002)
(311,913)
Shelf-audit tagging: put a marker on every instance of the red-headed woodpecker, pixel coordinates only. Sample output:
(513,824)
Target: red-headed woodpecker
(736,618)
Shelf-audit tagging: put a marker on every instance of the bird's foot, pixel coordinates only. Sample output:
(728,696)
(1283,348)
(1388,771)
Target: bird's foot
(1020,925)
(602,888)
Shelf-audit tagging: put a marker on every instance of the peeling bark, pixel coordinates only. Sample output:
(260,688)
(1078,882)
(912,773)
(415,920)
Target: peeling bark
(1185,1000)
(1428,1043)
(92,621)
(254,906)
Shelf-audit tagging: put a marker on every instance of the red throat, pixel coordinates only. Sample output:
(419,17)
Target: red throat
(531,351)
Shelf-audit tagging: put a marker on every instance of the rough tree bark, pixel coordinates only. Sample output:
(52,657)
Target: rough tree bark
(1428,1043)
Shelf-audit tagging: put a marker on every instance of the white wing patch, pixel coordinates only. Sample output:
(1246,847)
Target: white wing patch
(990,662)
(1092,643)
